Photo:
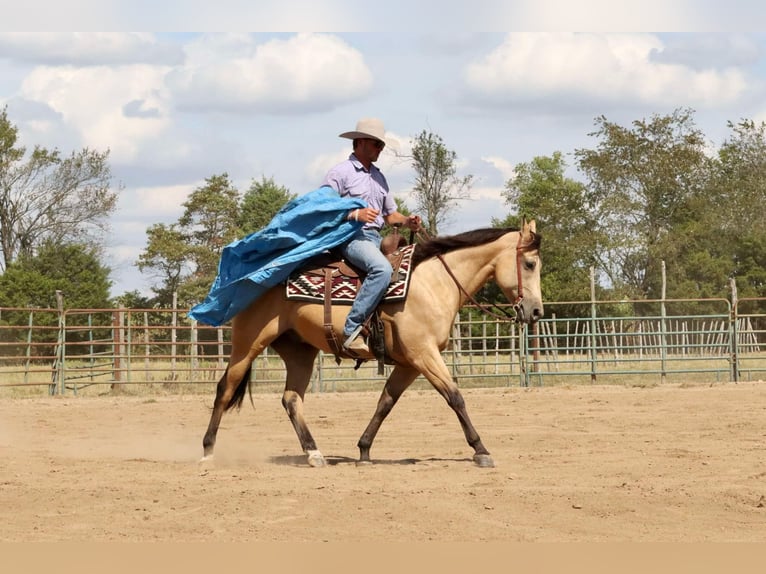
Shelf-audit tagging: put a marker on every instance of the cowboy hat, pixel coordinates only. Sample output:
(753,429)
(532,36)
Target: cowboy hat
(367,128)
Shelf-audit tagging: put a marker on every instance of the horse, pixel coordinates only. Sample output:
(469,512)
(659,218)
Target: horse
(446,272)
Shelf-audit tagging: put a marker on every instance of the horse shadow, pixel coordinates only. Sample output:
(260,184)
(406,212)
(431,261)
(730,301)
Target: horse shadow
(335,460)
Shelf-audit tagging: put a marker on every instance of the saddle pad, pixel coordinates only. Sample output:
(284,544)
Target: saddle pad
(301,286)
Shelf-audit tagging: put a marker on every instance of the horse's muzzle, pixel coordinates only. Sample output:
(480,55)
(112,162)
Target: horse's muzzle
(521,316)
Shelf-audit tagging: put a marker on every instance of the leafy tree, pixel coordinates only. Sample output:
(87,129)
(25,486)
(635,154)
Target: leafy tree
(261,203)
(167,258)
(539,190)
(74,269)
(642,182)
(437,186)
(184,256)
(209,222)
(45,196)
(737,228)
(134,300)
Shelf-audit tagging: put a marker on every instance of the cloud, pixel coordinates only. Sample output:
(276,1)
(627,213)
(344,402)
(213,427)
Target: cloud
(707,51)
(94,101)
(600,69)
(502,165)
(88,49)
(298,74)
(163,203)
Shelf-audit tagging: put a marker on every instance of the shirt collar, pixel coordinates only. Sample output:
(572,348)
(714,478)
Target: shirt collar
(358,164)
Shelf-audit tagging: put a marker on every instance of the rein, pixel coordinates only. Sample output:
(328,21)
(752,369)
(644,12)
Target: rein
(506,316)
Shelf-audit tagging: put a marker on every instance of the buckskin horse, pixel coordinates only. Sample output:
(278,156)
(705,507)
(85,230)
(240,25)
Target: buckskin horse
(446,272)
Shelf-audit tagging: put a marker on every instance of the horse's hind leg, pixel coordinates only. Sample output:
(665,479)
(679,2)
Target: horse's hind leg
(299,363)
(400,378)
(229,393)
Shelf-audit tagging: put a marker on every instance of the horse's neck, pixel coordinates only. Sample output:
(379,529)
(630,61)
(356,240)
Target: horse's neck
(472,267)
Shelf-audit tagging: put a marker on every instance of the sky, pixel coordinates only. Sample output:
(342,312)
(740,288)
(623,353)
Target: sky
(175,108)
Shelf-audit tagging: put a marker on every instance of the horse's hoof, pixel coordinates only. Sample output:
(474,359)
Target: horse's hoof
(315,459)
(206,463)
(363,463)
(483,461)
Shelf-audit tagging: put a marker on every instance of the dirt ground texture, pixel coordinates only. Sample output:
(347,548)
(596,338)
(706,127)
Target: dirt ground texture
(680,463)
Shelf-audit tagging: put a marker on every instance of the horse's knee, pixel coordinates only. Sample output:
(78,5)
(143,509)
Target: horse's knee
(289,401)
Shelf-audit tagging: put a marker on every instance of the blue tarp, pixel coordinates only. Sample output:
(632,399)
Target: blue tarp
(250,266)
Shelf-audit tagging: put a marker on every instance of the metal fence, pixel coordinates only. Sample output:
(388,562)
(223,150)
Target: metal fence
(647,342)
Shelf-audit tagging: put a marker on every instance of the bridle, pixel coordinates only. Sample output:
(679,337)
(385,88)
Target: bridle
(506,316)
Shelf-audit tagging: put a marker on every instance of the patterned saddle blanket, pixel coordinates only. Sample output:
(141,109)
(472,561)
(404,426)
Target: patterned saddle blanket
(308,282)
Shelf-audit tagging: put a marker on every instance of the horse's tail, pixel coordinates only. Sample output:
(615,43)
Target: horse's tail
(239,392)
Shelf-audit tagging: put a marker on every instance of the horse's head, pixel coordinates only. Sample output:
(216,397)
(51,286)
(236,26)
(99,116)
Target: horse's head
(517,272)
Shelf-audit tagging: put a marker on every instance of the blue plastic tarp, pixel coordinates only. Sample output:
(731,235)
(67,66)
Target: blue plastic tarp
(305,226)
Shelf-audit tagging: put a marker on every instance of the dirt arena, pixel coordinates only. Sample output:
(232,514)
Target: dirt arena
(681,463)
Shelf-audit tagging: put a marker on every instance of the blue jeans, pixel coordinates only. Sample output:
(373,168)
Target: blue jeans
(363,251)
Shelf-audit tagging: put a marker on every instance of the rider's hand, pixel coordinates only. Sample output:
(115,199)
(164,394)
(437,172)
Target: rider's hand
(413,222)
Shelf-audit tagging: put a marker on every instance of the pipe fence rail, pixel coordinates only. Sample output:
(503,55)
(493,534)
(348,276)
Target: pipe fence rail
(619,342)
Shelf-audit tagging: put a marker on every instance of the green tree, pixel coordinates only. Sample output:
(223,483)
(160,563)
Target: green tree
(437,188)
(260,204)
(642,182)
(45,196)
(539,190)
(134,300)
(167,258)
(209,222)
(184,256)
(73,269)
(736,228)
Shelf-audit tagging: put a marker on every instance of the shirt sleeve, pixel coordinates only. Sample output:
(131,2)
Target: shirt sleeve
(334,180)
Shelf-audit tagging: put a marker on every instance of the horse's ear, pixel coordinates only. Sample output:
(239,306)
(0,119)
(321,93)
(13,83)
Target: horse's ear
(527,227)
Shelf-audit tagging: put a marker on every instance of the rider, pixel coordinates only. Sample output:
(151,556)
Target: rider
(358,177)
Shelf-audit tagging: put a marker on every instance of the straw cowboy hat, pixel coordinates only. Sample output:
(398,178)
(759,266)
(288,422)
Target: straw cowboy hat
(367,128)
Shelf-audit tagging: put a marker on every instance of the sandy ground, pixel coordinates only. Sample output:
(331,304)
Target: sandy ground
(667,463)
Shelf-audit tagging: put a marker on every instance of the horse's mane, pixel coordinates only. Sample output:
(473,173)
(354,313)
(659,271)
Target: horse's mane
(440,245)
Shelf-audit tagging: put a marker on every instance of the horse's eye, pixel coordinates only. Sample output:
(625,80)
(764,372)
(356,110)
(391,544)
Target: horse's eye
(529,265)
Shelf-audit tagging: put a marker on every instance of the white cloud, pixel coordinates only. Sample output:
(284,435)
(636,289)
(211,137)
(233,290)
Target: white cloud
(301,73)
(502,165)
(94,101)
(88,48)
(162,203)
(527,68)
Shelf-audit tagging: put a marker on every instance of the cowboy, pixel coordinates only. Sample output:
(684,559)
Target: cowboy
(359,178)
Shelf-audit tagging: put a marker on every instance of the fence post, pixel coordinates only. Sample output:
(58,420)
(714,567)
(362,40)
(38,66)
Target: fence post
(733,334)
(663,328)
(523,349)
(593,339)
(59,370)
(118,336)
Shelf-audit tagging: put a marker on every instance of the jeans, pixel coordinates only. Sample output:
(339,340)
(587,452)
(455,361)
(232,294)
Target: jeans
(363,251)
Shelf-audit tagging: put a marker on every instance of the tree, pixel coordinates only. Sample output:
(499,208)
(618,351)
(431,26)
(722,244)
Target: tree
(184,256)
(48,197)
(74,269)
(736,228)
(437,187)
(167,258)
(540,191)
(642,182)
(260,204)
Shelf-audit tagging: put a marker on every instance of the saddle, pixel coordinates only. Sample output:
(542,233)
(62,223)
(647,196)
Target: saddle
(329,279)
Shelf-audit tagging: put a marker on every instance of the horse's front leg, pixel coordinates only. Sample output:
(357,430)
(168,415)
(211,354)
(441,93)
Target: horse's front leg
(433,368)
(398,381)
(299,363)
